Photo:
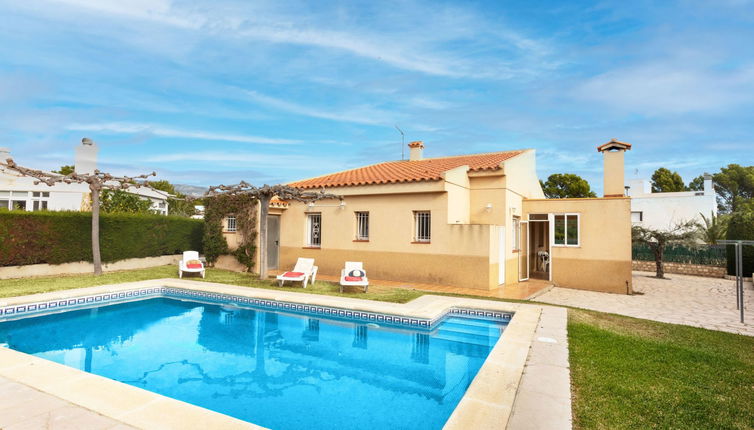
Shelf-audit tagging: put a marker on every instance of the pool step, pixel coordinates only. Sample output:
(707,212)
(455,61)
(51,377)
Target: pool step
(470,329)
(463,337)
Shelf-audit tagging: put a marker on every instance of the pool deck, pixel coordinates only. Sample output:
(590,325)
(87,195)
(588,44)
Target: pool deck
(525,290)
(534,340)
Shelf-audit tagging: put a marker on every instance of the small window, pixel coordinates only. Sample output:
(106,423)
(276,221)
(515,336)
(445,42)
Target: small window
(314,230)
(566,230)
(40,205)
(422,226)
(19,205)
(516,233)
(362,225)
(637,216)
(230,224)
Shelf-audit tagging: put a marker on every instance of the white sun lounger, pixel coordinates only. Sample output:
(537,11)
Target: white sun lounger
(183,264)
(302,272)
(361,281)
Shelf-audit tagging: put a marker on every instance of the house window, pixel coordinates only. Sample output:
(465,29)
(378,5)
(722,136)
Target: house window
(5,200)
(39,200)
(566,230)
(362,225)
(230,224)
(314,230)
(422,226)
(516,233)
(637,216)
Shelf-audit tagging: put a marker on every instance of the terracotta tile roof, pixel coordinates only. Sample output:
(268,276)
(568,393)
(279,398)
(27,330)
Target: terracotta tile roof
(428,169)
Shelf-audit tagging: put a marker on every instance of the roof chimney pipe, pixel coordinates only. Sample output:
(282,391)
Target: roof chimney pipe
(416,149)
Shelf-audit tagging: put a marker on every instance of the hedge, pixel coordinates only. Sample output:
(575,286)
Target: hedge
(63,237)
(741,227)
(708,255)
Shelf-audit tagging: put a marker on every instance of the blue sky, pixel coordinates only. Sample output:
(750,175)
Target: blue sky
(219,91)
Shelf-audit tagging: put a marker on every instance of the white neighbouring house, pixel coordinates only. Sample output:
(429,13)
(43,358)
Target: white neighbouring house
(19,192)
(664,210)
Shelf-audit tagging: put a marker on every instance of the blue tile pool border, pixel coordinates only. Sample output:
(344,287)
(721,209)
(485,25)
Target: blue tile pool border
(72,303)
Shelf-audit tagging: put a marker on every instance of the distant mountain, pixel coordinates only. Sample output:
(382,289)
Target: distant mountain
(190,190)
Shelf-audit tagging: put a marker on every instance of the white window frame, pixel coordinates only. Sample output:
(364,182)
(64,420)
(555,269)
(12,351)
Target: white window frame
(641,216)
(231,224)
(310,225)
(516,232)
(40,198)
(362,225)
(422,234)
(565,243)
(7,198)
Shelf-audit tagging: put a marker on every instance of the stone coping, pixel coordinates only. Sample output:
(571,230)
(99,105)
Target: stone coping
(487,403)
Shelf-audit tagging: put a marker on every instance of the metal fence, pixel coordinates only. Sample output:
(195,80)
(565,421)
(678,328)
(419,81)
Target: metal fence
(708,255)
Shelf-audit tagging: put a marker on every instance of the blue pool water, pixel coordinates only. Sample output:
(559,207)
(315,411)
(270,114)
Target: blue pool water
(278,370)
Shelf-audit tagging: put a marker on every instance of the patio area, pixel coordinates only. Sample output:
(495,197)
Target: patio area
(690,300)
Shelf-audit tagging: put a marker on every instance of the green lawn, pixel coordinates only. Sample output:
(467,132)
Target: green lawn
(630,373)
(20,287)
(626,373)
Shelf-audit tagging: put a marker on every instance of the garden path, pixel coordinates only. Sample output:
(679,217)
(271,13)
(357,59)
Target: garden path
(690,300)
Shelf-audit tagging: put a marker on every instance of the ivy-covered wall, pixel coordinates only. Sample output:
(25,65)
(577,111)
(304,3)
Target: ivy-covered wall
(63,237)
(216,209)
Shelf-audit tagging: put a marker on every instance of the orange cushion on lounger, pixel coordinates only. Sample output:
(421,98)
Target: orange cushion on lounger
(194,265)
(293,274)
(354,278)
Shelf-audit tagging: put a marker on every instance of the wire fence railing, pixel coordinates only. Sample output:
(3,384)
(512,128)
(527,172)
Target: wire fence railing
(707,255)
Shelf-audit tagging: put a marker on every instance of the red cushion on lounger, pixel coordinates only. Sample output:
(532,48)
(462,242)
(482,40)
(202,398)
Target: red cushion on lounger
(354,278)
(293,274)
(194,265)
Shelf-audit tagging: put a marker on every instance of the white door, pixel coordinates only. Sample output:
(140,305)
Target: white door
(523,252)
(501,255)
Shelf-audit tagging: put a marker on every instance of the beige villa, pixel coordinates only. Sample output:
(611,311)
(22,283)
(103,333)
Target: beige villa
(478,221)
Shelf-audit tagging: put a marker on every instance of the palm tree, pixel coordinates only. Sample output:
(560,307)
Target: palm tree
(713,229)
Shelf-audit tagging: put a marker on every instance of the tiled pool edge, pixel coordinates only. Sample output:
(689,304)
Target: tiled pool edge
(487,403)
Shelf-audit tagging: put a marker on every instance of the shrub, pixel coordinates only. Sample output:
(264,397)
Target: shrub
(741,227)
(215,244)
(63,237)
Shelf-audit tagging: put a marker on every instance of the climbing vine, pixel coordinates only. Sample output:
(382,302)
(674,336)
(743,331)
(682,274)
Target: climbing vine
(216,209)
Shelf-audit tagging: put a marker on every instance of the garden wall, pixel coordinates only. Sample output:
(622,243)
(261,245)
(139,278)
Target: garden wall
(28,238)
(82,267)
(682,269)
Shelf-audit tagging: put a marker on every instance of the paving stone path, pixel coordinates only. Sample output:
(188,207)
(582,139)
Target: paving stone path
(543,399)
(691,300)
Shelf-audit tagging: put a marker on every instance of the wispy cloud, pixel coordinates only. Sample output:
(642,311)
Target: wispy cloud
(162,131)
(402,45)
(674,87)
(355,114)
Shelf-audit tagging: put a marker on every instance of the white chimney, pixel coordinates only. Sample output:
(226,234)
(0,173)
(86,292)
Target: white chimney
(4,154)
(86,156)
(708,190)
(416,150)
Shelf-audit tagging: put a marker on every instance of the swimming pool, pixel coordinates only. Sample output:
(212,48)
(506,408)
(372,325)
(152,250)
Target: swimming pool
(277,368)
